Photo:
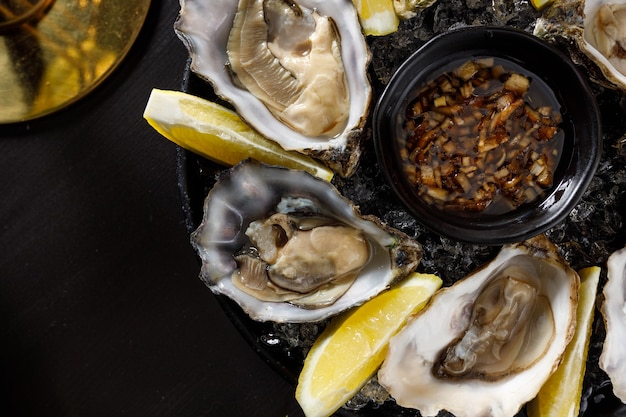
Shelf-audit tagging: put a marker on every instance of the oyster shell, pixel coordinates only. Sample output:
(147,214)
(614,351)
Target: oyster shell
(485,346)
(314,48)
(613,357)
(597,33)
(253,204)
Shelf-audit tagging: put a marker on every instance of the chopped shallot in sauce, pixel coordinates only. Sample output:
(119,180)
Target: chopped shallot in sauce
(476,141)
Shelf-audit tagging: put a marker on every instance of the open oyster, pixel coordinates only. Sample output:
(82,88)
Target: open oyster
(296,71)
(485,346)
(605,33)
(597,28)
(287,247)
(613,357)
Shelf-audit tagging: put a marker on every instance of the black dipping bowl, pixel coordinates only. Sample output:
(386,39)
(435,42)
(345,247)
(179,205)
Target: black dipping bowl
(581,124)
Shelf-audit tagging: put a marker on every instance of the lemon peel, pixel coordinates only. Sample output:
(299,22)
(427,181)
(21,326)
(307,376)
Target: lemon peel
(560,395)
(354,344)
(377,17)
(218,133)
(541,4)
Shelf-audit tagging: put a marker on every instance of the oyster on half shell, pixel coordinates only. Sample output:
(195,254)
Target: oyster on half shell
(485,346)
(613,357)
(597,28)
(287,247)
(294,70)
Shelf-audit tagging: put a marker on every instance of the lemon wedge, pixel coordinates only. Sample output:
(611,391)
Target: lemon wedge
(353,346)
(541,4)
(219,134)
(560,395)
(377,17)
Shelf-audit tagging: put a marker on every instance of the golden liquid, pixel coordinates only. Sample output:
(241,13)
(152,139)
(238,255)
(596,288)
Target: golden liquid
(53,52)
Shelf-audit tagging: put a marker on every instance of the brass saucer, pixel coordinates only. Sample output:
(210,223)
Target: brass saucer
(53,52)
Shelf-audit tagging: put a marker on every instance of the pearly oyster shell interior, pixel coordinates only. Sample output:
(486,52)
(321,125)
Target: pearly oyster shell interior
(613,357)
(204,26)
(252,191)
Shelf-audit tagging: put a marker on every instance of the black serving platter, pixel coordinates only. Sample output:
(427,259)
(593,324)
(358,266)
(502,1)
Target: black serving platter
(586,237)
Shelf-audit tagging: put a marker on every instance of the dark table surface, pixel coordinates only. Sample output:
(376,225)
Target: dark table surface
(101,310)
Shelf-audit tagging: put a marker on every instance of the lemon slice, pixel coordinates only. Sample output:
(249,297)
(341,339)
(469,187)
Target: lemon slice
(353,346)
(560,395)
(219,134)
(541,4)
(377,17)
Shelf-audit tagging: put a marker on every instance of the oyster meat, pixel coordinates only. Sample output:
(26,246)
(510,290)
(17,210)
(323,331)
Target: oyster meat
(289,257)
(287,247)
(295,71)
(289,57)
(613,357)
(486,345)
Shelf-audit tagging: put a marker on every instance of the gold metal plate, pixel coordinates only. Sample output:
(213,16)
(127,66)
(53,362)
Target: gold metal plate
(53,52)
